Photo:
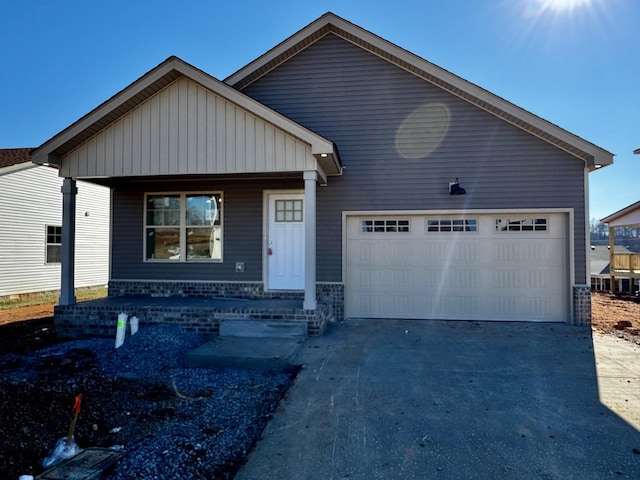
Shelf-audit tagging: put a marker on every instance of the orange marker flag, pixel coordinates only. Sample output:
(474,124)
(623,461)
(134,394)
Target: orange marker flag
(76,405)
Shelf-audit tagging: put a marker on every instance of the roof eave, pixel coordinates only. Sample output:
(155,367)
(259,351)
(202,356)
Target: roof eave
(51,152)
(621,213)
(593,156)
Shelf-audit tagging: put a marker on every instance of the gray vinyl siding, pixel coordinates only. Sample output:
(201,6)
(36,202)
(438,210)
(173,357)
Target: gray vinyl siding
(30,199)
(359,100)
(242,231)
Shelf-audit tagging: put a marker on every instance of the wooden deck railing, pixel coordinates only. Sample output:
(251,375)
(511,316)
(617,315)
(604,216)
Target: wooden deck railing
(626,262)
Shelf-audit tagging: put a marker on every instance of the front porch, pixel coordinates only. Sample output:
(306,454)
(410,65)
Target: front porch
(197,306)
(97,318)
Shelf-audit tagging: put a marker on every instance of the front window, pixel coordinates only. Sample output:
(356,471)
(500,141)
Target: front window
(53,244)
(183,226)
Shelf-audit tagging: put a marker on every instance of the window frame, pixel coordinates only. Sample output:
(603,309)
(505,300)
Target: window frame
(183,227)
(510,225)
(48,244)
(397,225)
(464,227)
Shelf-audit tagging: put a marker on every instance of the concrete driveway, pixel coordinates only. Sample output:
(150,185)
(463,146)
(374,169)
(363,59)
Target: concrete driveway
(456,400)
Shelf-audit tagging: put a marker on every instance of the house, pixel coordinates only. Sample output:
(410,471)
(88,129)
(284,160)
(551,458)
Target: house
(626,265)
(343,170)
(30,231)
(600,262)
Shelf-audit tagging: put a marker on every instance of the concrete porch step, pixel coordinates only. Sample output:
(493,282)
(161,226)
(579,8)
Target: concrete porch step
(247,352)
(267,344)
(263,329)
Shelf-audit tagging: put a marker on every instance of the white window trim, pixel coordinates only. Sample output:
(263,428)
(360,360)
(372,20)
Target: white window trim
(547,224)
(386,226)
(475,231)
(182,227)
(47,244)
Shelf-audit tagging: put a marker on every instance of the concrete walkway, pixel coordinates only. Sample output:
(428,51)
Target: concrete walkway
(456,400)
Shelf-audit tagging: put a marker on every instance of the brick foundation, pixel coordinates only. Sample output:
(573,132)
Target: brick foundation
(98,318)
(331,294)
(196,306)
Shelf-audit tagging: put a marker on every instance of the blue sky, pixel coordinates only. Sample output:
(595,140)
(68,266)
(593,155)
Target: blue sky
(575,63)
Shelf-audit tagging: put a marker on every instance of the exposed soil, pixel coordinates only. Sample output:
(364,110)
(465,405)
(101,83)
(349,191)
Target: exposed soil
(612,313)
(30,419)
(38,389)
(26,313)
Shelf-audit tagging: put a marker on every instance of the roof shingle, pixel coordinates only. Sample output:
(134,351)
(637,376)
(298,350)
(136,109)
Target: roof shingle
(14,156)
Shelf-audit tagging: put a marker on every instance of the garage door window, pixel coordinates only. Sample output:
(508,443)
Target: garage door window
(385,226)
(537,224)
(452,225)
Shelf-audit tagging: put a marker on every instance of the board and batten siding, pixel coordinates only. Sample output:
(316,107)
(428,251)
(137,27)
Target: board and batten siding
(242,223)
(360,101)
(30,199)
(187,129)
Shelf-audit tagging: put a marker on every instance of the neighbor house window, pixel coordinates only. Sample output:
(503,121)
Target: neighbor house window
(452,225)
(183,226)
(529,224)
(54,244)
(385,226)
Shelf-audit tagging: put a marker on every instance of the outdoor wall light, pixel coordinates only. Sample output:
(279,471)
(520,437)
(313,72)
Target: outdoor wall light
(456,189)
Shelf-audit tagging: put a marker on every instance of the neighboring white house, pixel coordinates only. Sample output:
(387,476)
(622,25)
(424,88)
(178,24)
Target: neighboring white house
(30,227)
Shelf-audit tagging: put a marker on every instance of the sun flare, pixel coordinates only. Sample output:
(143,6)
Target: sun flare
(561,5)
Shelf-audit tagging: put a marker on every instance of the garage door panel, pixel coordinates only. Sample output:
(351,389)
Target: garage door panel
(388,278)
(484,274)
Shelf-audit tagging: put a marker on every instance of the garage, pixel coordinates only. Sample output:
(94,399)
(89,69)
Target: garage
(490,266)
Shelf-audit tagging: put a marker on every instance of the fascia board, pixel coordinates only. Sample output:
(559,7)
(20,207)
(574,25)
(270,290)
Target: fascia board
(440,77)
(41,154)
(626,211)
(319,145)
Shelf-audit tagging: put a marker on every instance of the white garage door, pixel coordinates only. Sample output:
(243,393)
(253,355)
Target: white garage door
(472,267)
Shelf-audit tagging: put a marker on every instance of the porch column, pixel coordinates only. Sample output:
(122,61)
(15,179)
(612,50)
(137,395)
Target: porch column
(67,284)
(612,247)
(310,180)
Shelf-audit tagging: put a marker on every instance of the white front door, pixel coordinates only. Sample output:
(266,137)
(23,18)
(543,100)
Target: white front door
(285,242)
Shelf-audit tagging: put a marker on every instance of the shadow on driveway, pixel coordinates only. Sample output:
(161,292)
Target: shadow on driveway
(394,399)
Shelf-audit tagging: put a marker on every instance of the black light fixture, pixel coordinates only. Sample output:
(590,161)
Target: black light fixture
(456,189)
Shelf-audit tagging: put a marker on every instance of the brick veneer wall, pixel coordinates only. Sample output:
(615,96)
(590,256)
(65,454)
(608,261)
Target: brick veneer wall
(91,319)
(581,305)
(331,294)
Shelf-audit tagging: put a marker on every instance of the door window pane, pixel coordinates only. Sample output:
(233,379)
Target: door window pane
(289,211)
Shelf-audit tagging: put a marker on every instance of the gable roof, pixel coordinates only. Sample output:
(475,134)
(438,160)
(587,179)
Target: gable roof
(157,79)
(628,216)
(14,156)
(593,156)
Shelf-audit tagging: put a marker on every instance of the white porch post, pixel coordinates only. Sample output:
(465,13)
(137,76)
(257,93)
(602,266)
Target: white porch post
(310,180)
(67,284)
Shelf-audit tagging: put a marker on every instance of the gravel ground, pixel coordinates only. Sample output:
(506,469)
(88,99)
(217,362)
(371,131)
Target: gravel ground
(171,421)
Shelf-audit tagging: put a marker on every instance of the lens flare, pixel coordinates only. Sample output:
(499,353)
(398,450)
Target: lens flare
(535,7)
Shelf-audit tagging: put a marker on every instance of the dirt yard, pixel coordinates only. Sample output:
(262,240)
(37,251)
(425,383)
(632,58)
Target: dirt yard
(615,313)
